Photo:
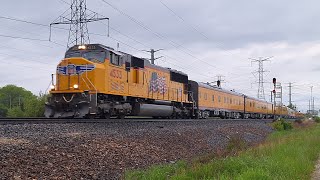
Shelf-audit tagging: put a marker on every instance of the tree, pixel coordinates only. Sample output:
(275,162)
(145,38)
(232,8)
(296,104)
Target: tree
(15,112)
(19,102)
(3,110)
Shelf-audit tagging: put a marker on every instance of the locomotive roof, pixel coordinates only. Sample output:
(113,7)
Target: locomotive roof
(146,61)
(205,85)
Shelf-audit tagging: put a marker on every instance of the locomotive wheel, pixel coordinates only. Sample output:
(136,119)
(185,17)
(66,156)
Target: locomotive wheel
(121,116)
(90,116)
(107,116)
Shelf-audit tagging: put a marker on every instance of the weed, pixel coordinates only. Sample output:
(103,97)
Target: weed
(281,125)
(316,119)
(285,155)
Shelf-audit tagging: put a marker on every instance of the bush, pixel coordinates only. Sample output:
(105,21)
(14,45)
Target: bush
(281,125)
(316,119)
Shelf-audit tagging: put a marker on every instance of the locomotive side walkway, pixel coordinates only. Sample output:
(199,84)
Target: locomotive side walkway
(106,150)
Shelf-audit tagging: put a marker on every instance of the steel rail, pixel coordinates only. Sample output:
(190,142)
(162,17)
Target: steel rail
(127,120)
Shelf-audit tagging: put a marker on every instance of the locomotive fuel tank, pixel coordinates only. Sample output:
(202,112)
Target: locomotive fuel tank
(154,110)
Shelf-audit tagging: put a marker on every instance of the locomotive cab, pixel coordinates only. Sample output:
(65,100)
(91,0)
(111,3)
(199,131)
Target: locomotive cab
(80,77)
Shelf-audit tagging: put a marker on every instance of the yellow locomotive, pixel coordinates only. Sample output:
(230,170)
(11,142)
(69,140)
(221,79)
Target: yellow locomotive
(96,81)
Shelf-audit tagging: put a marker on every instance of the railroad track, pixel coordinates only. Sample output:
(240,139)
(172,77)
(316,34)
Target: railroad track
(126,120)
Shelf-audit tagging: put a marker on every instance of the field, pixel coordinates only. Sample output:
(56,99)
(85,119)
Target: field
(284,155)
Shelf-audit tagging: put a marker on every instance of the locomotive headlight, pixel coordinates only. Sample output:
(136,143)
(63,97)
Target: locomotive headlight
(75,86)
(82,47)
(52,87)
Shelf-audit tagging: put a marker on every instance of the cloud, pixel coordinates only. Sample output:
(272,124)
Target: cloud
(231,32)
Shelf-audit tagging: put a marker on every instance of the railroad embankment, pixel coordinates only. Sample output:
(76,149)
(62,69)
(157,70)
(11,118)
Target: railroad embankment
(286,154)
(107,150)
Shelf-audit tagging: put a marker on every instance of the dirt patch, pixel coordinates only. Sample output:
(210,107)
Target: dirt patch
(9,141)
(316,173)
(303,123)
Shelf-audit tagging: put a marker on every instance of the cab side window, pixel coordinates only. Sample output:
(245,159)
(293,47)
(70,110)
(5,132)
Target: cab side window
(115,59)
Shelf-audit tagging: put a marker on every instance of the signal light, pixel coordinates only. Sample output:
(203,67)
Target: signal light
(274,91)
(274,80)
(218,83)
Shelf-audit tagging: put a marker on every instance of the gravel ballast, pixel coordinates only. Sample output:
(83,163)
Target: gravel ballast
(106,150)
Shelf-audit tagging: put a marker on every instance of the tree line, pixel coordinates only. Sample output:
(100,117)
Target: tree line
(18,102)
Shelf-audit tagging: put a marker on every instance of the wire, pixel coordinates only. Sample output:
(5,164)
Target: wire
(174,44)
(182,19)
(25,38)
(148,29)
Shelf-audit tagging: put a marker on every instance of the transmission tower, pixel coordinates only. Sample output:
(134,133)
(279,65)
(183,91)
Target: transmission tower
(260,72)
(78,19)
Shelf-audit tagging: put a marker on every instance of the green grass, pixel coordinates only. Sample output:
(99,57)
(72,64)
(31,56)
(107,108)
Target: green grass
(285,155)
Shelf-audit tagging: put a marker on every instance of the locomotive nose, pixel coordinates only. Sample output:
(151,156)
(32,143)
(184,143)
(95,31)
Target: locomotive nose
(75,74)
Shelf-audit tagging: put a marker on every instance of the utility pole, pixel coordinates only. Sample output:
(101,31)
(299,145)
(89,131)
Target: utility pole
(78,19)
(260,72)
(311,112)
(290,94)
(152,51)
(220,80)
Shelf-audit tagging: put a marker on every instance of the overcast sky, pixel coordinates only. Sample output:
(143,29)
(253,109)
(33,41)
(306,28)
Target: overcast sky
(203,38)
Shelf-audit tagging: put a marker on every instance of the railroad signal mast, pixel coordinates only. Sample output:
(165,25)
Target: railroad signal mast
(78,20)
(274,81)
(277,96)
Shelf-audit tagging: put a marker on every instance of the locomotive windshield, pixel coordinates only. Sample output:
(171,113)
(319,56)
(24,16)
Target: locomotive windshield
(94,56)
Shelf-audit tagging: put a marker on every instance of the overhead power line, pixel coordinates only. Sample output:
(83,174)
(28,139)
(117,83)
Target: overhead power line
(182,19)
(26,38)
(146,28)
(174,44)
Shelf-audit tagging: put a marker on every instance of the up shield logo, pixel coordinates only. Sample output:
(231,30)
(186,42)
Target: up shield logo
(72,69)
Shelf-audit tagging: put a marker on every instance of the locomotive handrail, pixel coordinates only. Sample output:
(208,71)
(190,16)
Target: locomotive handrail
(85,82)
(92,85)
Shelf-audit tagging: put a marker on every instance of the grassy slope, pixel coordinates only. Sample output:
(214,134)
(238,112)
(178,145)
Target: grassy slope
(285,155)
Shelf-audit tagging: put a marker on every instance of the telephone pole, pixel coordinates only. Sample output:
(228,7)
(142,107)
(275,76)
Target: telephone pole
(290,94)
(260,72)
(152,51)
(311,101)
(78,19)
(220,80)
